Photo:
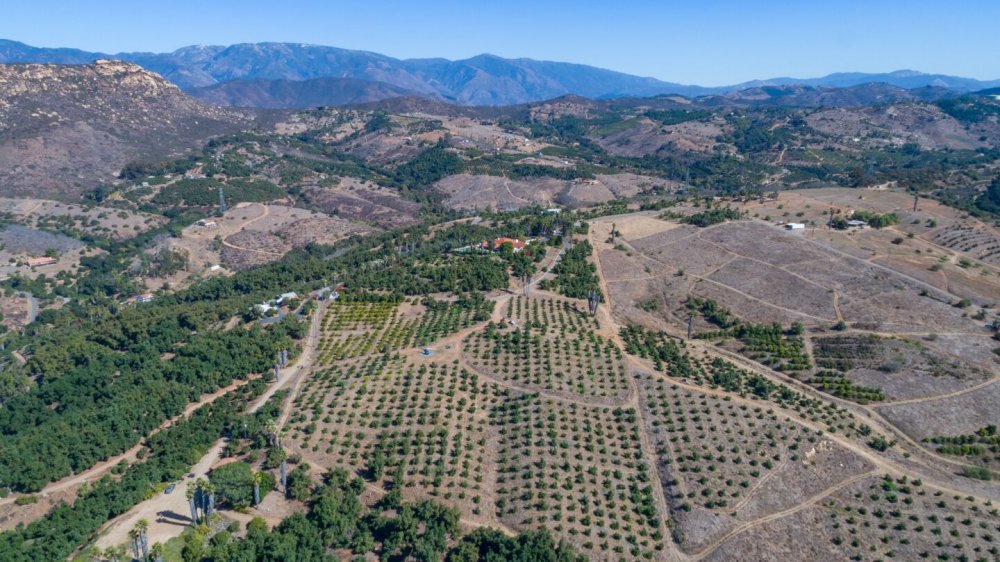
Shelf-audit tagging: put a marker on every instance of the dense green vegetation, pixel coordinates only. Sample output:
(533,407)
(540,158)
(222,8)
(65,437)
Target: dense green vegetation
(876,220)
(101,390)
(677,116)
(204,192)
(575,276)
(840,386)
(709,217)
(392,530)
(989,201)
(170,453)
(969,109)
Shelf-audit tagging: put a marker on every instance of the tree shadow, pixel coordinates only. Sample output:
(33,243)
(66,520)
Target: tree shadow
(173,518)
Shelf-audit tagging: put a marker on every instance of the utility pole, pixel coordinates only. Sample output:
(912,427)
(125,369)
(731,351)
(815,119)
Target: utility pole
(690,324)
(222,202)
(916,198)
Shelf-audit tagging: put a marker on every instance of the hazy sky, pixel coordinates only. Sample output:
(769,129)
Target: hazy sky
(707,42)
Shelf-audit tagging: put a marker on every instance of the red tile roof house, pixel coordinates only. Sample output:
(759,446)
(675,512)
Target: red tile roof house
(44,260)
(499,242)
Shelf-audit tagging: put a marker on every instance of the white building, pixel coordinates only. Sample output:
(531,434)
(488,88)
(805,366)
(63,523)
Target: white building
(795,226)
(283,297)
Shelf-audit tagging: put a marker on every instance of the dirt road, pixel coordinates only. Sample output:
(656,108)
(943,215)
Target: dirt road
(174,507)
(97,471)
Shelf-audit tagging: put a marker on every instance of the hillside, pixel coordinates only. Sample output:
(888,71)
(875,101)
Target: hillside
(63,129)
(297,94)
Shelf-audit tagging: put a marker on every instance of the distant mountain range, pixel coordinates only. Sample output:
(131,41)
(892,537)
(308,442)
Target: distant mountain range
(296,75)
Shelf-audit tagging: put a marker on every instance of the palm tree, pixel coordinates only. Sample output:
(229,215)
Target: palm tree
(210,500)
(271,427)
(133,536)
(191,492)
(142,526)
(257,479)
(157,552)
(114,553)
(202,497)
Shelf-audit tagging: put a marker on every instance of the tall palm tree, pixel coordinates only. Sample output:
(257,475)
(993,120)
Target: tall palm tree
(257,479)
(202,497)
(190,493)
(210,500)
(142,526)
(133,536)
(271,427)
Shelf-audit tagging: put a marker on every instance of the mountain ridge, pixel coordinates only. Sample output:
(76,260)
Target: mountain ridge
(480,80)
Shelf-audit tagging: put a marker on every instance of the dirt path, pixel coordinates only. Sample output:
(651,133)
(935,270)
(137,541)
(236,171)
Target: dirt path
(742,527)
(942,396)
(506,185)
(673,552)
(243,226)
(301,369)
(99,470)
(836,306)
(168,513)
(923,463)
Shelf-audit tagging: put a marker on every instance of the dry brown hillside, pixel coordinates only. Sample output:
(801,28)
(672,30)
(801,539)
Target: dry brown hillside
(65,128)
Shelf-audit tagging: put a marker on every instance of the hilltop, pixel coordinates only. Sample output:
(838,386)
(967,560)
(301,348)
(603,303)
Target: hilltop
(65,128)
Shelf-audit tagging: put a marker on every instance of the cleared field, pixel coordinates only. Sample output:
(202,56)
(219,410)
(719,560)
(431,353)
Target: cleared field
(954,415)
(876,518)
(774,285)
(901,368)
(356,200)
(549,345)
(764,274)
(253,233)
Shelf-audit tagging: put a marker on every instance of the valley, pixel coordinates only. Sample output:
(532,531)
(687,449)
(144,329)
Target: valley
(757,324)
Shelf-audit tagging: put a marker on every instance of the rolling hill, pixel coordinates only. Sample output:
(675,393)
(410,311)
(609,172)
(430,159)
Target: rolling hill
(297,94)
(64,129)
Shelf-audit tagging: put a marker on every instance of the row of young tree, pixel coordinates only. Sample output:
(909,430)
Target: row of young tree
(100,378)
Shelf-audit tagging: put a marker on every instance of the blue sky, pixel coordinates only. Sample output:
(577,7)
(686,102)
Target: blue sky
(707,42)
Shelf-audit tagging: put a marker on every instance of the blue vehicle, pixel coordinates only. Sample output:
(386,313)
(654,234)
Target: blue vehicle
(169,488)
